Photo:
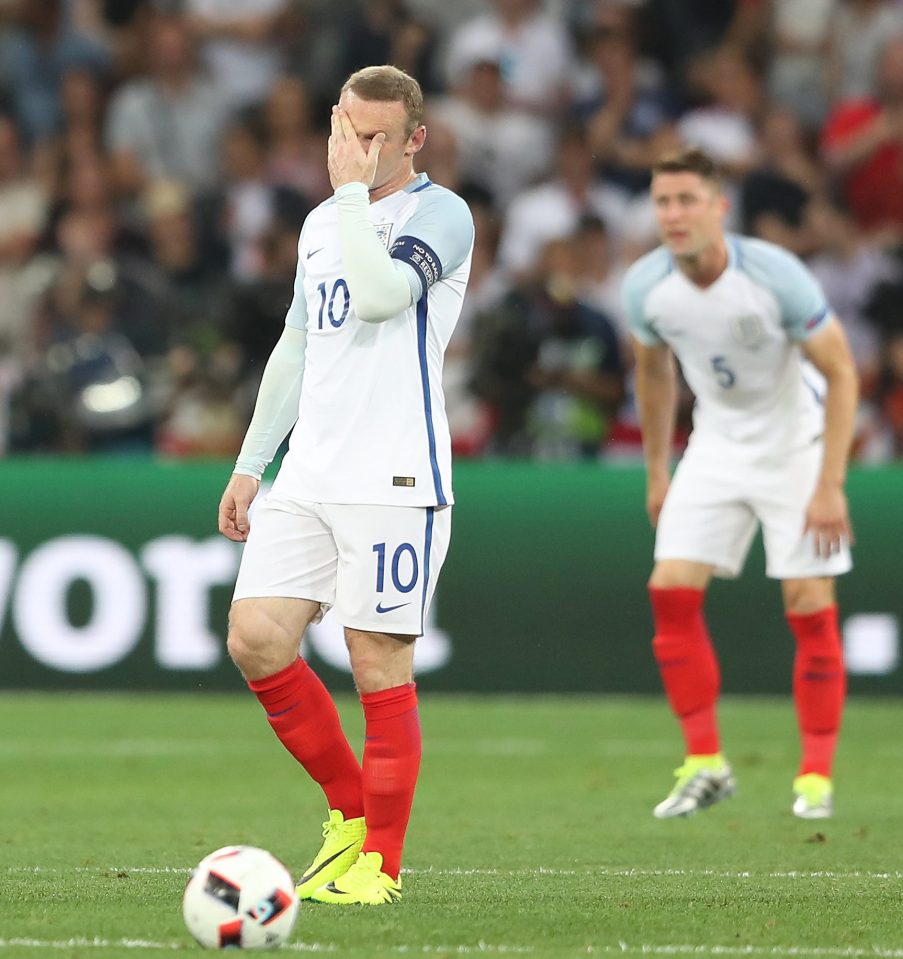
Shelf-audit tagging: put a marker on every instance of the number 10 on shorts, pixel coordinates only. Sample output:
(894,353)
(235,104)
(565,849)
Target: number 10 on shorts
(404,567)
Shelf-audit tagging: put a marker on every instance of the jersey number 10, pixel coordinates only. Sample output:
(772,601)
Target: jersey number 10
(328,304)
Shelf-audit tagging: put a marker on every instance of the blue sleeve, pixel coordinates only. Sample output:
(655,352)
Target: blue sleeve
(296,317)
(637,284)
(804,308)
(437,238)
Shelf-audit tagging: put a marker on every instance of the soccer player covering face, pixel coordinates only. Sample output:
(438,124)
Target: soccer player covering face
(359,515)
(776,395)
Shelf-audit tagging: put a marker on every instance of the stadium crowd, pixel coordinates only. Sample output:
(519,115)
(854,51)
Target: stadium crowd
(157,159)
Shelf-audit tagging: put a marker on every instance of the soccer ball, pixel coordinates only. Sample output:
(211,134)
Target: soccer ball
(240,897)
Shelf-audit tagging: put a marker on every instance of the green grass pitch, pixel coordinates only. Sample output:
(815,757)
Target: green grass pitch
(531,835)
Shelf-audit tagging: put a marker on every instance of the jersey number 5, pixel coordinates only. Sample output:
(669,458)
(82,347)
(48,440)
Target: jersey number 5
(723,373)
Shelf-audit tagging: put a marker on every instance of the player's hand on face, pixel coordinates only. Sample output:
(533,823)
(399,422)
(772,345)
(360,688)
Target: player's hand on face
(346,158)
(233,507)
(828,520)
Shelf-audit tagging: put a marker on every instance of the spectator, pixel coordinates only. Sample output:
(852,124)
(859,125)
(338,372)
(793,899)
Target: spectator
(257,309)
(881,427)
(247,200)
(724,125)
(169,123)
(533,48)
(501,148)
(469,418)
(774,195)
(680,31)
(625,105)
(862,145)
(553,209)
(851,269)
(385,31)
(548,365)
(35,57)
(798,74)
(239,42)
(599,273)
(23,215)
(861,28)
(185,285)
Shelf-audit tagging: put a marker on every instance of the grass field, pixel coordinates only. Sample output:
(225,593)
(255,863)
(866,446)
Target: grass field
(531,835)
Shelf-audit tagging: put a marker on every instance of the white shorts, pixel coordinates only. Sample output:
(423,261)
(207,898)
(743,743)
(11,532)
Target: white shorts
(376,565)
(715,504)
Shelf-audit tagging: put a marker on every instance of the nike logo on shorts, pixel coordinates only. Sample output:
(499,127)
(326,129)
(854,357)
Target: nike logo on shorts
(388,609)
(313,252)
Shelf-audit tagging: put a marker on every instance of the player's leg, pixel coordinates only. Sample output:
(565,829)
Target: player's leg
(819,689)
(690,675)
(819,681)
(391,559)
(291,554)
(704,529)
(683,651)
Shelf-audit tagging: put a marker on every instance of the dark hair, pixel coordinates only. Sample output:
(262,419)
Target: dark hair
(388,84)
(689,159)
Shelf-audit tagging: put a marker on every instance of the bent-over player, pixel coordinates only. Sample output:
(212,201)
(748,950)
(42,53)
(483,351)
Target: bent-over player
(776,395)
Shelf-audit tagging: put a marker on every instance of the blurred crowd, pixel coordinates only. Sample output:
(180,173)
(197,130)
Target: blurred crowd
(157,159)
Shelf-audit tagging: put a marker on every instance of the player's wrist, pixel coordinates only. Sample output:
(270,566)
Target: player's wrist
(351,188)
(831,484)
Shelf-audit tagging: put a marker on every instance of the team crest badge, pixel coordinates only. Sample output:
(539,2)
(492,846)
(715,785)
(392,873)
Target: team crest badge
(748,331)
(383,231)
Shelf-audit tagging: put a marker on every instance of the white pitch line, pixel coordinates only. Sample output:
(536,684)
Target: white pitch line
(625,873)
(628,872)
(828,952)
(480,948)
(487,948)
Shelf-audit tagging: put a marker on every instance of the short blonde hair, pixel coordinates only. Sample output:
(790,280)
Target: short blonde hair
(388,84)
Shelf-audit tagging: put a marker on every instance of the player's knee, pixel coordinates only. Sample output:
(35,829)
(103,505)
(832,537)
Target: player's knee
(379,662)
(252,637)
(803,596)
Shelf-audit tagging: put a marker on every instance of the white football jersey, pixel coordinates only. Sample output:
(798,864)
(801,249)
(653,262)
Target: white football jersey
(737,342)
(371,423)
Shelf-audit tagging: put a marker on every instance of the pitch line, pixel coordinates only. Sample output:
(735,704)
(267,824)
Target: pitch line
(526,871)
(480,948)
(487,948)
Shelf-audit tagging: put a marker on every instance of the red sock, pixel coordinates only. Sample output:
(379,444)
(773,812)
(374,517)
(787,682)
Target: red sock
(304,717)
(391,763)
(819,686)
(687,663)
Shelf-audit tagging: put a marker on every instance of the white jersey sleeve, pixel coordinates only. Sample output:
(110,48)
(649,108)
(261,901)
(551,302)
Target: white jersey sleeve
(638,282)
(436,240)
(801,300)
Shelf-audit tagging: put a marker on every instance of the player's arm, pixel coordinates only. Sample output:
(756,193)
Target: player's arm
(275,413)
(810,323)
(379,288)
(655,383)
(827,516)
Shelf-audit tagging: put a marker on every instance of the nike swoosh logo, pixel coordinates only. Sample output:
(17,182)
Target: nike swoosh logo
(313,253)
(310,875)
(388,609)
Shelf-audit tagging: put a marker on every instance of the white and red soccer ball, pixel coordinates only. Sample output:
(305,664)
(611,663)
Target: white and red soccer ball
(240,897)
